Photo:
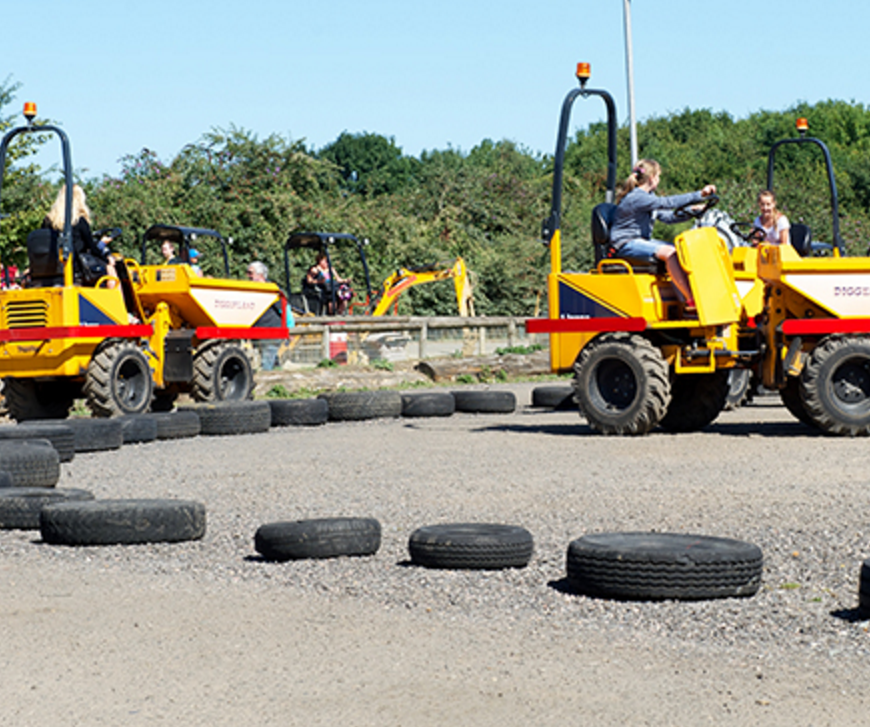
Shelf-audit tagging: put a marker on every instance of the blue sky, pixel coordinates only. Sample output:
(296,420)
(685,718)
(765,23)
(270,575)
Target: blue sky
(121,76)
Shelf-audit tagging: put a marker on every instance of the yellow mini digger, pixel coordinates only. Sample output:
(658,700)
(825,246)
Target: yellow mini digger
(127,341)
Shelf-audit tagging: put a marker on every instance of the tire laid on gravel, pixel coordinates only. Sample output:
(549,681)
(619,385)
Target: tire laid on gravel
(97,435)
(138,428)
(622,384)
(864,589)
(30,462)
(58,433)
(299,412)
(318,538)
(177,424)
(359,405)
(122,522)
(835,386)
(232,417)
(696,401)
(560,398)
(656,566)
(20,506)
(471,546)
(485,402)
(428,404)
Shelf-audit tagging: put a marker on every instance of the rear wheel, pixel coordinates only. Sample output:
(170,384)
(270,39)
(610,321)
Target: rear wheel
(621,384)
(119,380)
(30,399)
(835,386)
(696,400)
(791,399)
(222,372)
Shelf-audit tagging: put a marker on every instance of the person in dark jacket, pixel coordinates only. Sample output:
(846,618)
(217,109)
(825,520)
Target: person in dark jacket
(91,256)
(638,207)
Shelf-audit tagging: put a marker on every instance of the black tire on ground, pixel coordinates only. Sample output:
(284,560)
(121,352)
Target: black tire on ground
(740,388)
(20,506)
(232,417)
(138,428)
(791,400)
(428,404)
(696,401)
(835,386)
(477,546)
(299,412)
(655,566)
(28,399)
(30,462)
(485,402)
(116,522)
(57,432)
(118,380)
(560,398)
(95,435)
(864,589)
(222,372)
(621,384)
(177,424)
(319,538)
(358,405)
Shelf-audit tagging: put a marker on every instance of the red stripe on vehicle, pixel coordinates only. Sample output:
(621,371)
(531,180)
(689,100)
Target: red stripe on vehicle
(45,334)
(584,325)
(822,326)
(206,332)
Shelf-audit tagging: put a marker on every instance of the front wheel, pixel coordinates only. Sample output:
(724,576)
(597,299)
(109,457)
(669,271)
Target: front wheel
(118,381)
(835,386)
(621,384)
(222,372)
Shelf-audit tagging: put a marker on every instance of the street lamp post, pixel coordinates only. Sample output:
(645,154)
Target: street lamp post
(629,69)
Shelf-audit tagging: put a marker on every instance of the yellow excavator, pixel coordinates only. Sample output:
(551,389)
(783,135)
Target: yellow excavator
(404,278)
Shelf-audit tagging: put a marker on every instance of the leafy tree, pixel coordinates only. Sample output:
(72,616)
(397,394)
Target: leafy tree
(369,164)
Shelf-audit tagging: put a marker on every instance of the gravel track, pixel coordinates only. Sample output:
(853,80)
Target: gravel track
(756,474)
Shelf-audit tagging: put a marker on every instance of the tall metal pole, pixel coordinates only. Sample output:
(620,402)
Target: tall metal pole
(629,69)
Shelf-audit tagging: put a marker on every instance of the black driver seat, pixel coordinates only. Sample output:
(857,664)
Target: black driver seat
(602,219)
(46,268)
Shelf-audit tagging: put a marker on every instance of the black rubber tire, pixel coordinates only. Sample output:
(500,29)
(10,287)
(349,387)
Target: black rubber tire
(30,462)
(471,546)
(177,424)
(428,404)
(740,385)
(474,401)
(222,372)
(138,428)
(791,400)
(864,589)
(359,405)
(656,566)
(119,380)
(299,412)
(20,506)
(560,398)
(319,538)
(696,401)
(27,399)
(57,432)
(622,384)
(835,386)
(95,435)
(122,522)
(232,417)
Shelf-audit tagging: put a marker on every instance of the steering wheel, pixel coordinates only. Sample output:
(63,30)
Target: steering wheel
(688,211)
(753,237)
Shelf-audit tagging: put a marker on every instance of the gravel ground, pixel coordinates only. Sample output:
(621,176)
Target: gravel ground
(232,639)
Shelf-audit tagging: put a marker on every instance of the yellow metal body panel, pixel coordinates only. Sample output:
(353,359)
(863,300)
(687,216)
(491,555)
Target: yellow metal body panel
(750,287)
(198,301)
(53,308)
(704,257)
